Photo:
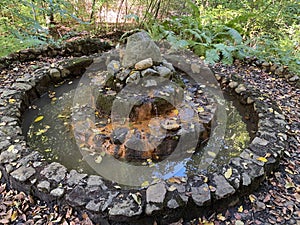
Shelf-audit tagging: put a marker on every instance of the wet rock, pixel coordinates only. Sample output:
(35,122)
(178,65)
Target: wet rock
(54,171)
(223,188)
(259,206)
(113,67)
(57,192)
(54,73)
(149,72)
(23,173)
(74,177)
(241,88)
(156,193)
(127,208)
(279,71)
(164,71)
(201,195)
(119,135)
(44,186)
(143,64)
(139,47)
(22,86)
(170,124)
(134,77)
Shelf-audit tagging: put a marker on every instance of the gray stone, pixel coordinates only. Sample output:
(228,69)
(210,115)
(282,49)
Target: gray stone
(201,195)
(150,208)
(249,100)
(113,67)
(246,180)
(233,84)
(74,177)
(54,73)
(126,208)
(172,204)
(8,156)
(240,89)
(77,197)
(95,206)
(54,171)
(294,78)
(150,83)
(168,65)
(122,75)
(57,192)
(164,71)
(143,64)
(156,193)
(97,181)
(259,141)
(139,47)
(223,188)
(22,86)
(134,77)
(149,72)
(23,173)
(4,144)
(44,186)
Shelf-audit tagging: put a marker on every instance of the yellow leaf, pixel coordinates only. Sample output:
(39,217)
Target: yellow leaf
(11,148)
(174,180)
(240,209)
(11,100)
(262,159)
(228,173)
(145,184)
(200,109)
(221,217)
(208,223)
(14,216)
(252,198)
(38,119)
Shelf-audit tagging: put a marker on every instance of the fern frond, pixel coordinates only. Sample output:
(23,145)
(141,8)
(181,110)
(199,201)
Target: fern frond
(212,56)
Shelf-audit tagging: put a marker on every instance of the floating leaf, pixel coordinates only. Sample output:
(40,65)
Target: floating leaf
(38,119)
(145,184)
(98,159)
(240,209)
(228,173)
(137,198)
(262,159)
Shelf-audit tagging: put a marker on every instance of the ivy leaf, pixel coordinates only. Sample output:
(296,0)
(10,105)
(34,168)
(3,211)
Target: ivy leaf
(38,119)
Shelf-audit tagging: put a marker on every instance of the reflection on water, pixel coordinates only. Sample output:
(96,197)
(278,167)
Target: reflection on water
(53,137)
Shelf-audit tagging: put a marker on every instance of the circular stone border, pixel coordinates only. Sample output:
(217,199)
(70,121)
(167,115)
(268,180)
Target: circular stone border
(165,200)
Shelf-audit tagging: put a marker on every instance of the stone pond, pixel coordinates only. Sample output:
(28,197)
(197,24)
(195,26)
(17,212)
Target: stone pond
(135,134)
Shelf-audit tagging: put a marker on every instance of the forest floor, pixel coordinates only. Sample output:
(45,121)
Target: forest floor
(276,201)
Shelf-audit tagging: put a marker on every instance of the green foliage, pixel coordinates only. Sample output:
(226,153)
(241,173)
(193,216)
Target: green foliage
(224,30)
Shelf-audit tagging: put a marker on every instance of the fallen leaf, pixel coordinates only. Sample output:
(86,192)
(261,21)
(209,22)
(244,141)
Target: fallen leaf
(228,173)
(38,119)
(145,184)
(174,180)
(252,198)
(262,159)
(172,188)
(221,217)
(239,222)
(240,209)
(12,100)
(98,159)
